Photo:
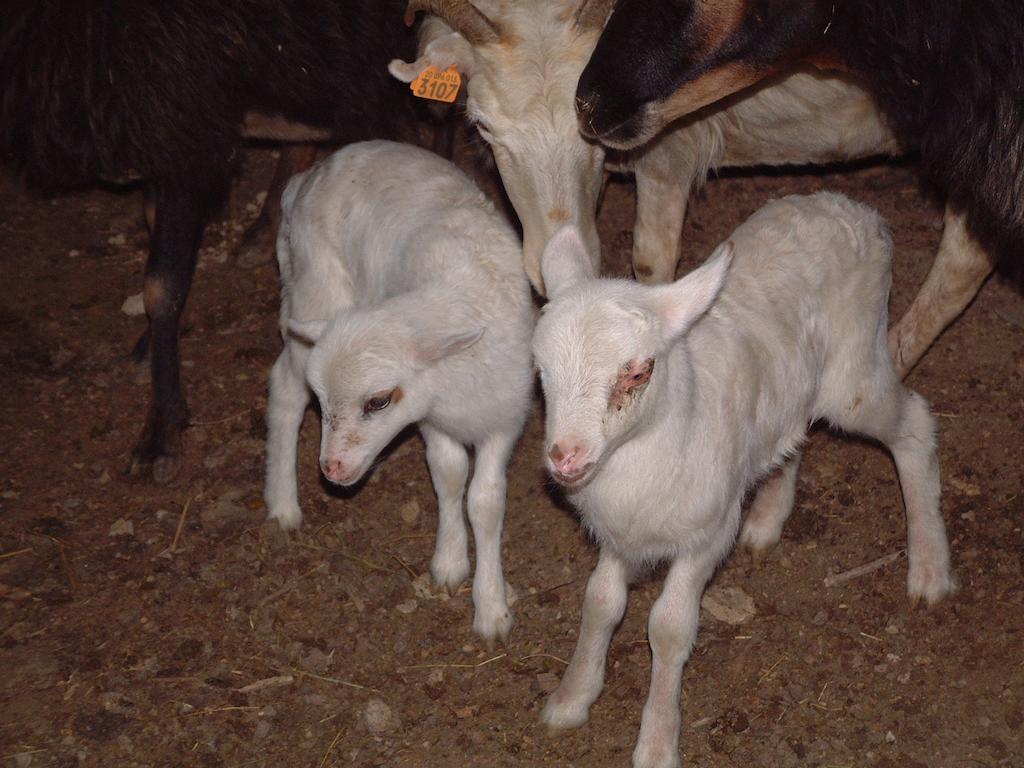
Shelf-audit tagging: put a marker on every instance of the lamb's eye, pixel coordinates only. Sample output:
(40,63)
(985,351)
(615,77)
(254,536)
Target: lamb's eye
(377,402)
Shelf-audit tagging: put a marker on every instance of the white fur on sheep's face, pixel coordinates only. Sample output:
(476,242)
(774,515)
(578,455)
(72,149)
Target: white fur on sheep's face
(601,347)
(521,98)
(366,370)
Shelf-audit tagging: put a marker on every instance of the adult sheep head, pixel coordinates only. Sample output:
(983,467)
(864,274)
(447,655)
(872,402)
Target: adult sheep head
(520,61)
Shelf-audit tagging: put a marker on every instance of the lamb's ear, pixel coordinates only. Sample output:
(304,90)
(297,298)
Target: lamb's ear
(565,261)
(431,345)
(447,49)
(307,331)
(680,304)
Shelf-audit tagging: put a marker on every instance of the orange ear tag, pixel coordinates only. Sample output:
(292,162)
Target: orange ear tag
(434,84)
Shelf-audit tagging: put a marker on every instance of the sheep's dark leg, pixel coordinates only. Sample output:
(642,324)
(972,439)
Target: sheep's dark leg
(172,257)
(257,244)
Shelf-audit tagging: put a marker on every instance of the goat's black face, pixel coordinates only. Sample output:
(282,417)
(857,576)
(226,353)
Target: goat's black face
(635,62)
(660,59)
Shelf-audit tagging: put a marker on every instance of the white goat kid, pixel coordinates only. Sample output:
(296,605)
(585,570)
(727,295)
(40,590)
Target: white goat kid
(522,59)
(404,301)
(665,404)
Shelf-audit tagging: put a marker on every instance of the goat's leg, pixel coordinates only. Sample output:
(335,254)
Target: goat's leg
(486,505)
(149,207)
(286,406)
(663,182)
(961,266)
(257,244)
(449,468)
(603,606)
(770,509)
(140,352)
(671,630)
(172,258)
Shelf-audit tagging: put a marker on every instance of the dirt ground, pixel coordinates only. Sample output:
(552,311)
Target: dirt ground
(246,646)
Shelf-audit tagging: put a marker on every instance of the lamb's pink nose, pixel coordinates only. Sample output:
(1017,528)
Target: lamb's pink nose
(333,469)
(568,462)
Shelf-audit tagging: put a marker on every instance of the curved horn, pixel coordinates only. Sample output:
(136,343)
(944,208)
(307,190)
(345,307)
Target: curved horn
(461,15)
(592,14)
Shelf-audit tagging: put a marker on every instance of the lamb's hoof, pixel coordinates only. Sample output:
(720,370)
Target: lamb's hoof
(757,544)
(493,626)
(288,517)
(929,584)
(449,574)
(647,756)
(560,716)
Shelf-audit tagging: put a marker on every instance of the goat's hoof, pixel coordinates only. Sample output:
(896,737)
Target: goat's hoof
(165,468)
(253,256)
(256,247)
(162,469)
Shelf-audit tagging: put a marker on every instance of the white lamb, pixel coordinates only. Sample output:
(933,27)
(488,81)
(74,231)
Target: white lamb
(665,404)
(403,301)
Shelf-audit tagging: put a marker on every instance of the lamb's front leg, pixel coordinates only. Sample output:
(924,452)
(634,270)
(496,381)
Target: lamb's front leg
(671,630)
(449,467)
(286,406)
(491,618)
(603,606)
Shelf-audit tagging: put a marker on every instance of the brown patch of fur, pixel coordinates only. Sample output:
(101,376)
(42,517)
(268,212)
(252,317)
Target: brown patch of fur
(718,20)
(509,41)
(641,270)
(257,125)
(708,89)
(559,215)
(396,395)
(154,296)
(828,61)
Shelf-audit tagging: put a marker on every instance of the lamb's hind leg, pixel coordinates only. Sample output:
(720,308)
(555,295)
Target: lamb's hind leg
(770,509)
(902,421)
(961,266)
